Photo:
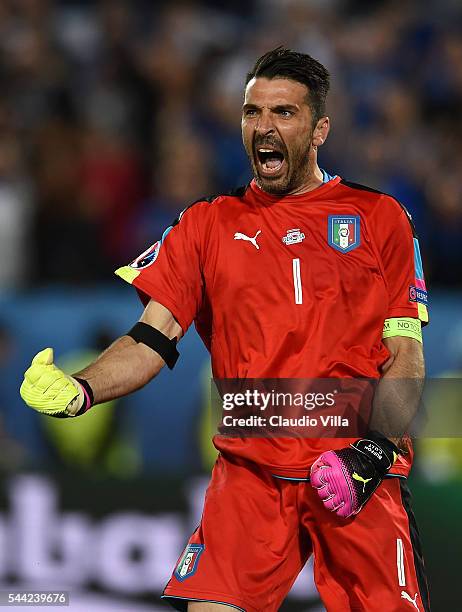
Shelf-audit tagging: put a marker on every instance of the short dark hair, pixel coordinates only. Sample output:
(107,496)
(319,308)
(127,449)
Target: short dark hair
(300,67)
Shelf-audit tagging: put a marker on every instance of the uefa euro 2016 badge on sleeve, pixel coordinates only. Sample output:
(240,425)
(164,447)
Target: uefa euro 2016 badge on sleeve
(146,258)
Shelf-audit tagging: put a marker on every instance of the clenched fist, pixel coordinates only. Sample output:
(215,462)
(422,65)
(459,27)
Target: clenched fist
(49,390)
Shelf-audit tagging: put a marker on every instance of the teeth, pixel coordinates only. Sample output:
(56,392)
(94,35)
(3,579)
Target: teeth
(266,150)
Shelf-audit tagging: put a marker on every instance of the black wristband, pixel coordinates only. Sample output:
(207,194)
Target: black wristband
(88,394)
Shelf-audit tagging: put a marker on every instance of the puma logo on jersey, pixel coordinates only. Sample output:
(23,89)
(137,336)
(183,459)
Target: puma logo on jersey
(407,597)
(361,479)
(239,236)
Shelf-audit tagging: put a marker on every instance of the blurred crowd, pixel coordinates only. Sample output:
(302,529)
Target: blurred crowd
(115,115)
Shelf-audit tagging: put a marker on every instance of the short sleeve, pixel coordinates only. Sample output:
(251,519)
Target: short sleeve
(402,265)
(170,271)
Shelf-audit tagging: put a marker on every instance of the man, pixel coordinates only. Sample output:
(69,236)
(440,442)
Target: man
(299,275)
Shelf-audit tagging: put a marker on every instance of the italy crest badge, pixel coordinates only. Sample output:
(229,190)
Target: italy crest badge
(188,563)
(344,232)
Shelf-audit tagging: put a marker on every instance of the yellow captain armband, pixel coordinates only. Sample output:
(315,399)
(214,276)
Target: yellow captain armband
(403,326)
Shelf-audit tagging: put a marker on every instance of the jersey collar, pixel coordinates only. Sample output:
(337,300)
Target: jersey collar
(270,198)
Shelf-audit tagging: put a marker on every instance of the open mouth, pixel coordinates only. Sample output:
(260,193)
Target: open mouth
(270,160)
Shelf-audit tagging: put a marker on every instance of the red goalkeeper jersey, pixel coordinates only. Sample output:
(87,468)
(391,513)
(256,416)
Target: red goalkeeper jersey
(288,287)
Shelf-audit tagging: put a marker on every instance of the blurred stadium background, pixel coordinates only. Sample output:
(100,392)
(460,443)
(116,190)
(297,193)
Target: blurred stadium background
(115,115)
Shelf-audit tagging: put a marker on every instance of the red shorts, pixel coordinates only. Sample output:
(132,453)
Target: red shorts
(257,532)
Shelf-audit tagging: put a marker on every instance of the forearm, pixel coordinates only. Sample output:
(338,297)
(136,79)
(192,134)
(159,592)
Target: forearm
(127,365)
(398,393)
(346,478)
(121,369)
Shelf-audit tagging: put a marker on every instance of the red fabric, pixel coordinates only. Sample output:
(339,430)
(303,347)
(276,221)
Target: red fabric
(355,559)
(242,299)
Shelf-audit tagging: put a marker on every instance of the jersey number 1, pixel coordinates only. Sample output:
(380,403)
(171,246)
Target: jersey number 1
(297,281)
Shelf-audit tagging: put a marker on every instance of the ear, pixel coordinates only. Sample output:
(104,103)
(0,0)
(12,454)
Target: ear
(321,131)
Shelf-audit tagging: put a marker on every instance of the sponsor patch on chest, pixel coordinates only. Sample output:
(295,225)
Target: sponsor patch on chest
(293,236)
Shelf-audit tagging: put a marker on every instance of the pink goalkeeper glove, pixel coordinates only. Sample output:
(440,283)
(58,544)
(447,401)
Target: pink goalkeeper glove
(345,479)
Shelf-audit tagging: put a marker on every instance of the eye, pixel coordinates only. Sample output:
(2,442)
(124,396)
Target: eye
(250,112)
(286,114)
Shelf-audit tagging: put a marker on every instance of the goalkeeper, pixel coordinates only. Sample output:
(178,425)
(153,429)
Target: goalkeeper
(298,275)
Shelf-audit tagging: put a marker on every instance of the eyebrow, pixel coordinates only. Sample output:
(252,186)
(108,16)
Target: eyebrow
(292,107)
(278,107)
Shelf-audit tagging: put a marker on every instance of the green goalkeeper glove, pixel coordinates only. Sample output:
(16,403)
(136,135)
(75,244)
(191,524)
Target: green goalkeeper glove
(50,391)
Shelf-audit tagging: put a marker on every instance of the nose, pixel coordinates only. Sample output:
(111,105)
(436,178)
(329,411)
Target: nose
(264,124)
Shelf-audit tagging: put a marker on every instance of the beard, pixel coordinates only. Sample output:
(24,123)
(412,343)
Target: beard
(294,173)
